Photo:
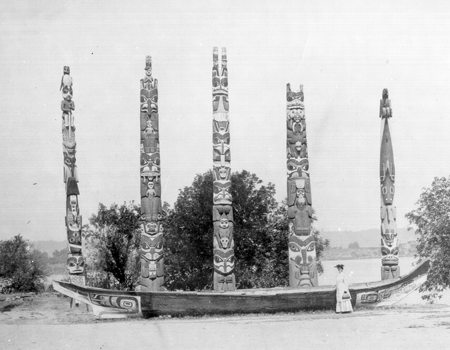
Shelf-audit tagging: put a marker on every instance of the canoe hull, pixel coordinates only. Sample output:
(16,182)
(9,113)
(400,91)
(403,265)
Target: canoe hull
(120,304)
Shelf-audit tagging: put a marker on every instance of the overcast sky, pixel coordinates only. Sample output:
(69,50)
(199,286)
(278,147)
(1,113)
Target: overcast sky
(343,52)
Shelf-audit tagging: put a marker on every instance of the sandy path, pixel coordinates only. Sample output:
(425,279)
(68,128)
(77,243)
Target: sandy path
(49,324)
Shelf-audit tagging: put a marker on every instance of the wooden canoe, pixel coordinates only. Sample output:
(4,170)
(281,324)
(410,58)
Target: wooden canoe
(107,303)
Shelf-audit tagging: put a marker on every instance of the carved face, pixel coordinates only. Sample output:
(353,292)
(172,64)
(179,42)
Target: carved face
(295,168)
(221,193)
(221,154)
(224,261)
(295,100)
(389,255)
(223,223)
(219,84)
(73,202)
(305,249)
(75,263)
(302,255)
(221,138)
(296,115)
(67,93)
(66,70)
(151,228)
(301,198)
(152,250)
(388,235)
(223,173)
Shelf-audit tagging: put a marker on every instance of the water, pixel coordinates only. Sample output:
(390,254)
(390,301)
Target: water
(363,270)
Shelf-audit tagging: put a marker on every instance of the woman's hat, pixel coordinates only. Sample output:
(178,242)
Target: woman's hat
(339,266)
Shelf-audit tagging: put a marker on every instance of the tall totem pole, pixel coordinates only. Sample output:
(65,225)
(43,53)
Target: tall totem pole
(302,249)
(151,250)
(75,260)
(223,243)
(389,240)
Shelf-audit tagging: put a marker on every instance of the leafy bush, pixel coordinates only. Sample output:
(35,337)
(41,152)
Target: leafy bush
(432,222)
(113,241)
(21,270)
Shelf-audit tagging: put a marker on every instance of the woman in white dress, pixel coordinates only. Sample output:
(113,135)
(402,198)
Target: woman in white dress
(343,298)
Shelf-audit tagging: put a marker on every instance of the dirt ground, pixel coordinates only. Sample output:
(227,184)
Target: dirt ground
(46,322)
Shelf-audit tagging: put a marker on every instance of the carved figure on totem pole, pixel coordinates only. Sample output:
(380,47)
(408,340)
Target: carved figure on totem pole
(389,241)
(151,249)
(66,79)
(302,252)
(73,224)
(73,219)
(67,107)
(223,227)
(75,263)
(302,261)
(152,266)
(223,244)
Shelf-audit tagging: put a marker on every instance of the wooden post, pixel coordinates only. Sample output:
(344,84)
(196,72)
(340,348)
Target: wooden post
(75,259)
(151,250)
(302,252)
(223,244)
(389,241)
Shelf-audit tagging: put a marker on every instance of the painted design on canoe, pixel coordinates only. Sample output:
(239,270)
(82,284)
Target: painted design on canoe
(119,304)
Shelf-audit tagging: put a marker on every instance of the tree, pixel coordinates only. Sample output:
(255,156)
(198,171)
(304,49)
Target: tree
(354,245)
(113,241)
(260,235)
(432,222)
(59,256)
(24,269)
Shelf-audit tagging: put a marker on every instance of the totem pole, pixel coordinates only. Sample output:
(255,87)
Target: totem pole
(302,251)
(75,260)
(389,241)
(151,250)
(223,243)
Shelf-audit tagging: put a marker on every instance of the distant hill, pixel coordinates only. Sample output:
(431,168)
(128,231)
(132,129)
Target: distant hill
(365,238)
(49,246)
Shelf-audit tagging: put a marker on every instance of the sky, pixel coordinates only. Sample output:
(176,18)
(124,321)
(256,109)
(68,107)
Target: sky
(343,53)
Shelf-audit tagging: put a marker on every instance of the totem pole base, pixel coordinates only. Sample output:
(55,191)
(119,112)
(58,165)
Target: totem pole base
(79,281)
(224,283)
(150,285)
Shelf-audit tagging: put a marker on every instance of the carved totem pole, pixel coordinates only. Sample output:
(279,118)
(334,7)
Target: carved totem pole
(224,278)
(389,241)
(302,251)
(151,250)
(75,260)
